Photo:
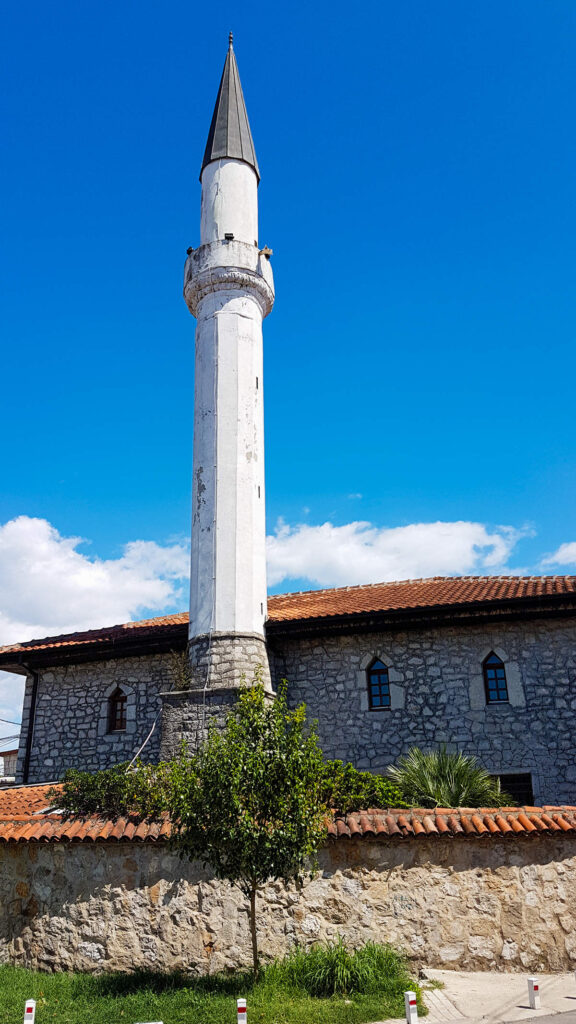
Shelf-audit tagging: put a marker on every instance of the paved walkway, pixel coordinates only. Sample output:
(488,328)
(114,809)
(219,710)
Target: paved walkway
(477,997)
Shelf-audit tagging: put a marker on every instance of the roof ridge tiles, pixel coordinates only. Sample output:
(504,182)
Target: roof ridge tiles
(421,579)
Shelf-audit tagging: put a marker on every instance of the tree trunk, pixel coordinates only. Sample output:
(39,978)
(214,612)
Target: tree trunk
(253,931)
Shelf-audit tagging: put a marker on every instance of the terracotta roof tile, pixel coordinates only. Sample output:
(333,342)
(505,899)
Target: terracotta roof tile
(467,825)
(438,592)
(143,628)
(26,816)
(491,824)
(404,823)
(389,826)
(565,825)
(355,826)
(410,594)
(526,823)
(484,822)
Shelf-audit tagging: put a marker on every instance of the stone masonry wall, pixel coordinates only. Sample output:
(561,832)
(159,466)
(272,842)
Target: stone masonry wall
(472,904)
(187,714)
(228,660)
(71,721)
(437,695)
(436,686)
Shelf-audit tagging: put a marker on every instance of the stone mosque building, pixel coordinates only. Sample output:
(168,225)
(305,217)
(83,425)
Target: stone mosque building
(485,664)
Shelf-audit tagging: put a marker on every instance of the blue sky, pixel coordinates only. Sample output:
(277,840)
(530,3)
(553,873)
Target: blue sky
(418,191)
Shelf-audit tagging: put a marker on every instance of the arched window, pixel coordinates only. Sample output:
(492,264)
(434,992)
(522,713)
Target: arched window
(117,711)
(495,679)
(378,685)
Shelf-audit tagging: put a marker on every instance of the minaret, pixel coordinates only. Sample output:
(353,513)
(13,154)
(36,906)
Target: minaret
(228,287)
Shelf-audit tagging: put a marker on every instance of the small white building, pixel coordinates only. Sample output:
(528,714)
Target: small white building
(8,759)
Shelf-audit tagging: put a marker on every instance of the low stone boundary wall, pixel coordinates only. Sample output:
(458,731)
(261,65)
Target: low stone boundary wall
(475,904)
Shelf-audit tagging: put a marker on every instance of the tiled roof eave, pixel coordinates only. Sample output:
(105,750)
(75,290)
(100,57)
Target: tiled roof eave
(174,638)
(552,606)
(417,828)
(51,828)
(168,638)
(26,816)
(404,604)
(455,825)
(403,836)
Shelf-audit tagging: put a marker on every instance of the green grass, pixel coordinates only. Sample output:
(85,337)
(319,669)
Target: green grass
(281,996)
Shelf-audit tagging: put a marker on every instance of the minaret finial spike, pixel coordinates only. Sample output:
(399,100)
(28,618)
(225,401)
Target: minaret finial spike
(230,39)
(229,136)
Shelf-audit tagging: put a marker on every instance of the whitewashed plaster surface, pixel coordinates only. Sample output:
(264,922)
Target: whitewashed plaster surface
(228,286)
(228,582)
(229,202)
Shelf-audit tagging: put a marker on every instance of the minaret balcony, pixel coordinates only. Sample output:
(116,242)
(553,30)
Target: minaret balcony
(225,265)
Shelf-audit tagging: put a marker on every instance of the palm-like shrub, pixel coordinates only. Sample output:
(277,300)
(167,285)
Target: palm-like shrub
(437,778)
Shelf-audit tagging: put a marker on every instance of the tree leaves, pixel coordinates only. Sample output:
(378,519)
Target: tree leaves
(250,802)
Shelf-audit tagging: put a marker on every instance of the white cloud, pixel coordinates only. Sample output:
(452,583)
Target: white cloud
(564,555)
(47,587)
(358,552)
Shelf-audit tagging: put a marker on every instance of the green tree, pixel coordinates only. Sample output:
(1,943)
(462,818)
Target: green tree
(348,789)
(437,778)
(250,802)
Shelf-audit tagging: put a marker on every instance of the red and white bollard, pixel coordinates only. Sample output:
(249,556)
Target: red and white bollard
(534,993)
(242,1016)
(411,1008)
(29,1011)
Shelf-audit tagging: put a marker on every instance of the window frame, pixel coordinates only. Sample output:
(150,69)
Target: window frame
(117,710)
(498,668)
(383,684)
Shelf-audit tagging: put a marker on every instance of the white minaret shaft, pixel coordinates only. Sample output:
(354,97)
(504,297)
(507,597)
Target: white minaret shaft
(228,287)
(228,587)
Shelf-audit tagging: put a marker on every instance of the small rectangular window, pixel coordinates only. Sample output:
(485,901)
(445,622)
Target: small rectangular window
(495,680)
(117,711)
(519,786)
(378,685)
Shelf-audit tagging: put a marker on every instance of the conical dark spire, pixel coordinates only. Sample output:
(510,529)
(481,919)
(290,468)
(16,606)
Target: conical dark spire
(230,134)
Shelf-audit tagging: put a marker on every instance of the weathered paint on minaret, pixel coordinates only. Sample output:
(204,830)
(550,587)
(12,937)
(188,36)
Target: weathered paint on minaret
(228,287)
